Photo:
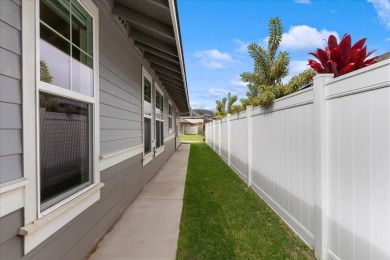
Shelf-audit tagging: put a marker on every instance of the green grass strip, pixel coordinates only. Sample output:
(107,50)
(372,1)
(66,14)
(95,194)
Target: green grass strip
(191,138)
(223,219)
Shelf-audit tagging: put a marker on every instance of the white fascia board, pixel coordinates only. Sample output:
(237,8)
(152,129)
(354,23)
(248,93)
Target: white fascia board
(174,17)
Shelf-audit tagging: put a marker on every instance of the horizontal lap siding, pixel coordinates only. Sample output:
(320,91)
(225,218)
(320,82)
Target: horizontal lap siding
(10,91)
(10,119)
(120,90)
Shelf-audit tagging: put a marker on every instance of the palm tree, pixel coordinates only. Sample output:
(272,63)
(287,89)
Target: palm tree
(269,67)
(224,108)
(221,108)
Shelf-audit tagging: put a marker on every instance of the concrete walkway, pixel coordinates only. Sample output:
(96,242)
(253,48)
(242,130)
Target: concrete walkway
(149,228)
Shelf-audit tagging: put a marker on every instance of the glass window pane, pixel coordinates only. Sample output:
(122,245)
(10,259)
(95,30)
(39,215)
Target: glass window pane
(82,34)
(147,135)
(55,63)
(162,133)
(82,72)
(158,134)
(159,105)
(147,97)
(65,143)
(56,15)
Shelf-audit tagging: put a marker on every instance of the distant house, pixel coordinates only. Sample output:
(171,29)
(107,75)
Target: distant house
(191,126)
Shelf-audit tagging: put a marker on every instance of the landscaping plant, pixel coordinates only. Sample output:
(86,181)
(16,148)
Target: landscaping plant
(270,67)
(225,106)
(341,58)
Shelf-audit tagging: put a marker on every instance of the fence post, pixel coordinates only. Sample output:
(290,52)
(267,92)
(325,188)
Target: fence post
(213,134)
(219,136)
(249,144)
(228,137)
(320,165)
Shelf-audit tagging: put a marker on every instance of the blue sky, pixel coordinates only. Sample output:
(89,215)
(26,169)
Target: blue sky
(215,34)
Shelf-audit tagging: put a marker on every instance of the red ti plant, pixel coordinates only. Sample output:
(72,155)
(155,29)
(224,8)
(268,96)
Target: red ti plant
(341,58)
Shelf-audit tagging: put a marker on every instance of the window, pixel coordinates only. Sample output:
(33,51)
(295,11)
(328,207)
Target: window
(159,118)
(60,114)
(170,122)
(147,112)
(66,101)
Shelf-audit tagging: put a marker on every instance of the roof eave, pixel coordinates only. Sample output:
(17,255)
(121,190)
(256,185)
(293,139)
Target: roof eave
(176,28)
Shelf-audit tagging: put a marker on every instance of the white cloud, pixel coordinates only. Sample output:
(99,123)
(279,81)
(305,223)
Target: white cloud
(200,104)
(214,59)
(219,92)
(387,39)
(303,37)
(303,1)
(242,46)
(298,66)
(236,81)
(382,7)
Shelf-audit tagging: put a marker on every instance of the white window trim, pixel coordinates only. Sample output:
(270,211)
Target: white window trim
(146,158)
(160,149)
(12,196)
(111,159)
(41,225)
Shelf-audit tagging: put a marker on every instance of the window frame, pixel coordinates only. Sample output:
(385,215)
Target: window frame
(70,94)
(45,223)
(160,149)
(146,158)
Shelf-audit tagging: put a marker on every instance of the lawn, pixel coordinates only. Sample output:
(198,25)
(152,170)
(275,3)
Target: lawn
(223,219)
(191,138)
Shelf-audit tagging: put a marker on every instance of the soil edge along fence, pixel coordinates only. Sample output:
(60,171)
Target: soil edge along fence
(321,159)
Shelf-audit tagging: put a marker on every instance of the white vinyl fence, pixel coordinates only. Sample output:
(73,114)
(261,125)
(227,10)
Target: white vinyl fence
(321,159)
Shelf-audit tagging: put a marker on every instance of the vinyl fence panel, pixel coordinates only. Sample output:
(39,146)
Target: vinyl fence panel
(359,173)
(321,159)
(224,139)
(239,144)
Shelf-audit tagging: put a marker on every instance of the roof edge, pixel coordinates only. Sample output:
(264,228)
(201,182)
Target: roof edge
(176,28)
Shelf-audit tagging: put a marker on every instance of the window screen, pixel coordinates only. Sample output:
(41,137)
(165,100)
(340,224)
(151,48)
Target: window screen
(65,147)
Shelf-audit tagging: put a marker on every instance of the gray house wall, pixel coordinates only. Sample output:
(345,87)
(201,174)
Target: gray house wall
(120,128)
(11,163)
(10,91)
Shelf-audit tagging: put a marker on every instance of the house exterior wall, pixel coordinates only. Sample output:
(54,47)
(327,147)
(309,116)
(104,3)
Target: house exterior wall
(11,162)
(10,91)
(120,82)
